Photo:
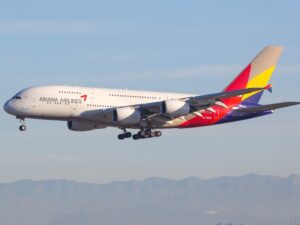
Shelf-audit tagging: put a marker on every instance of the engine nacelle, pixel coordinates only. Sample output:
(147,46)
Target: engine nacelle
(83,126)
(127,115)
(175,108)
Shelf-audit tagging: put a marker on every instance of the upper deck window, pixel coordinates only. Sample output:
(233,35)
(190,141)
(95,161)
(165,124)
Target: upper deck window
(70,92)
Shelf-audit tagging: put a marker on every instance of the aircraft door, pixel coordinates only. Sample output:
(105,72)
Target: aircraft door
(90,97)
(33,102)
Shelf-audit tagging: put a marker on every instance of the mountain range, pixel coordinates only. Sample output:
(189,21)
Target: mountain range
(250,199)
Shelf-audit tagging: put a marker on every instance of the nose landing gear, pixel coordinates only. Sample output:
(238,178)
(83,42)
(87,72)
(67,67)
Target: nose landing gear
(22,127)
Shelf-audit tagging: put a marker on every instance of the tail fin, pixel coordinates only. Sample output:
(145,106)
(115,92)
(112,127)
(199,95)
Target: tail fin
(257,74)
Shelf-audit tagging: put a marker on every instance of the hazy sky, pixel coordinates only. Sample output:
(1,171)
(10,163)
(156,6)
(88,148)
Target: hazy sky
(180,46)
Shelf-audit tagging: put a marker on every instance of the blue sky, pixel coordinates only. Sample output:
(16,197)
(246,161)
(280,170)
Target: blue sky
(190,46)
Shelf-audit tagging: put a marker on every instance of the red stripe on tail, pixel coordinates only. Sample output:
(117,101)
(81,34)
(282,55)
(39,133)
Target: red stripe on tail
(240,82)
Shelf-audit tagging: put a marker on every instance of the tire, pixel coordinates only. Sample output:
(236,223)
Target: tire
(22,128)
(158,133)
(121,136)
(136,137)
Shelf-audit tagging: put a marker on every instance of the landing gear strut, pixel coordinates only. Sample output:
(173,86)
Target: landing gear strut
(22,127)
(124,134)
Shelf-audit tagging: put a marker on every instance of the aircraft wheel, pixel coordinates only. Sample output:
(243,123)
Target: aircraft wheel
(22,128)
(128,135)
(158,133)
(136,137)
(121,136)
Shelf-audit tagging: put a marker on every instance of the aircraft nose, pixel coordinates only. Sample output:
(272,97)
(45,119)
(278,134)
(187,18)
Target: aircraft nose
(8,107)
(5,107)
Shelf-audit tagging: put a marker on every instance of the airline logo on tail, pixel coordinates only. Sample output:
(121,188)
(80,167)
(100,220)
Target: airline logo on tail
(257,73)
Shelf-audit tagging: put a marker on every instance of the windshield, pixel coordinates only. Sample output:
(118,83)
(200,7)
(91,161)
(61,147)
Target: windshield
(17,96)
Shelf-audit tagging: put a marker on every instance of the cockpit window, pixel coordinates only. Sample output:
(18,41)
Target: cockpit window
(17,97)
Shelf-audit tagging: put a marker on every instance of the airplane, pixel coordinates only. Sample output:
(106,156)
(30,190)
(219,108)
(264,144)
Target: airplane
(86,108)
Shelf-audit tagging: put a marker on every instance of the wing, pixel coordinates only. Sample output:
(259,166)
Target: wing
(197,102)
(152,111)
(204,101)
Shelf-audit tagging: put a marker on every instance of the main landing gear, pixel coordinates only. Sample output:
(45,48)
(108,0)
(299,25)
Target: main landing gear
(146,134)
(124,135)
(142,134)
(22,127)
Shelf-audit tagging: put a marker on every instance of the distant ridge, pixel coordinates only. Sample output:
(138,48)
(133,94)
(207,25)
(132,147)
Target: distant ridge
(249,199)
(292,176)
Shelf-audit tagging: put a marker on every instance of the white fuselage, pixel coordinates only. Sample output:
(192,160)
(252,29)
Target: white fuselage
(71,102)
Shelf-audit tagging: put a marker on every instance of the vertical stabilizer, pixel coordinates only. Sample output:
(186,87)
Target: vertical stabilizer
(257,74)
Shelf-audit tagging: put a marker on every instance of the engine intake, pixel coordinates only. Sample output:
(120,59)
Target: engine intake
(127,115)
(175,108)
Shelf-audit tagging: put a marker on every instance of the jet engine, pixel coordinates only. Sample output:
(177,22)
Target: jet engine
(83,126)
(127,115)
(175,108)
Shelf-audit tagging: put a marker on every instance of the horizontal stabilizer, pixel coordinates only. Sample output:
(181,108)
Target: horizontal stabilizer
(269,88)
(267,107)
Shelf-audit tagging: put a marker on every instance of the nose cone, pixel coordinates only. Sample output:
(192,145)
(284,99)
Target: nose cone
(8,107)
(5,107)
